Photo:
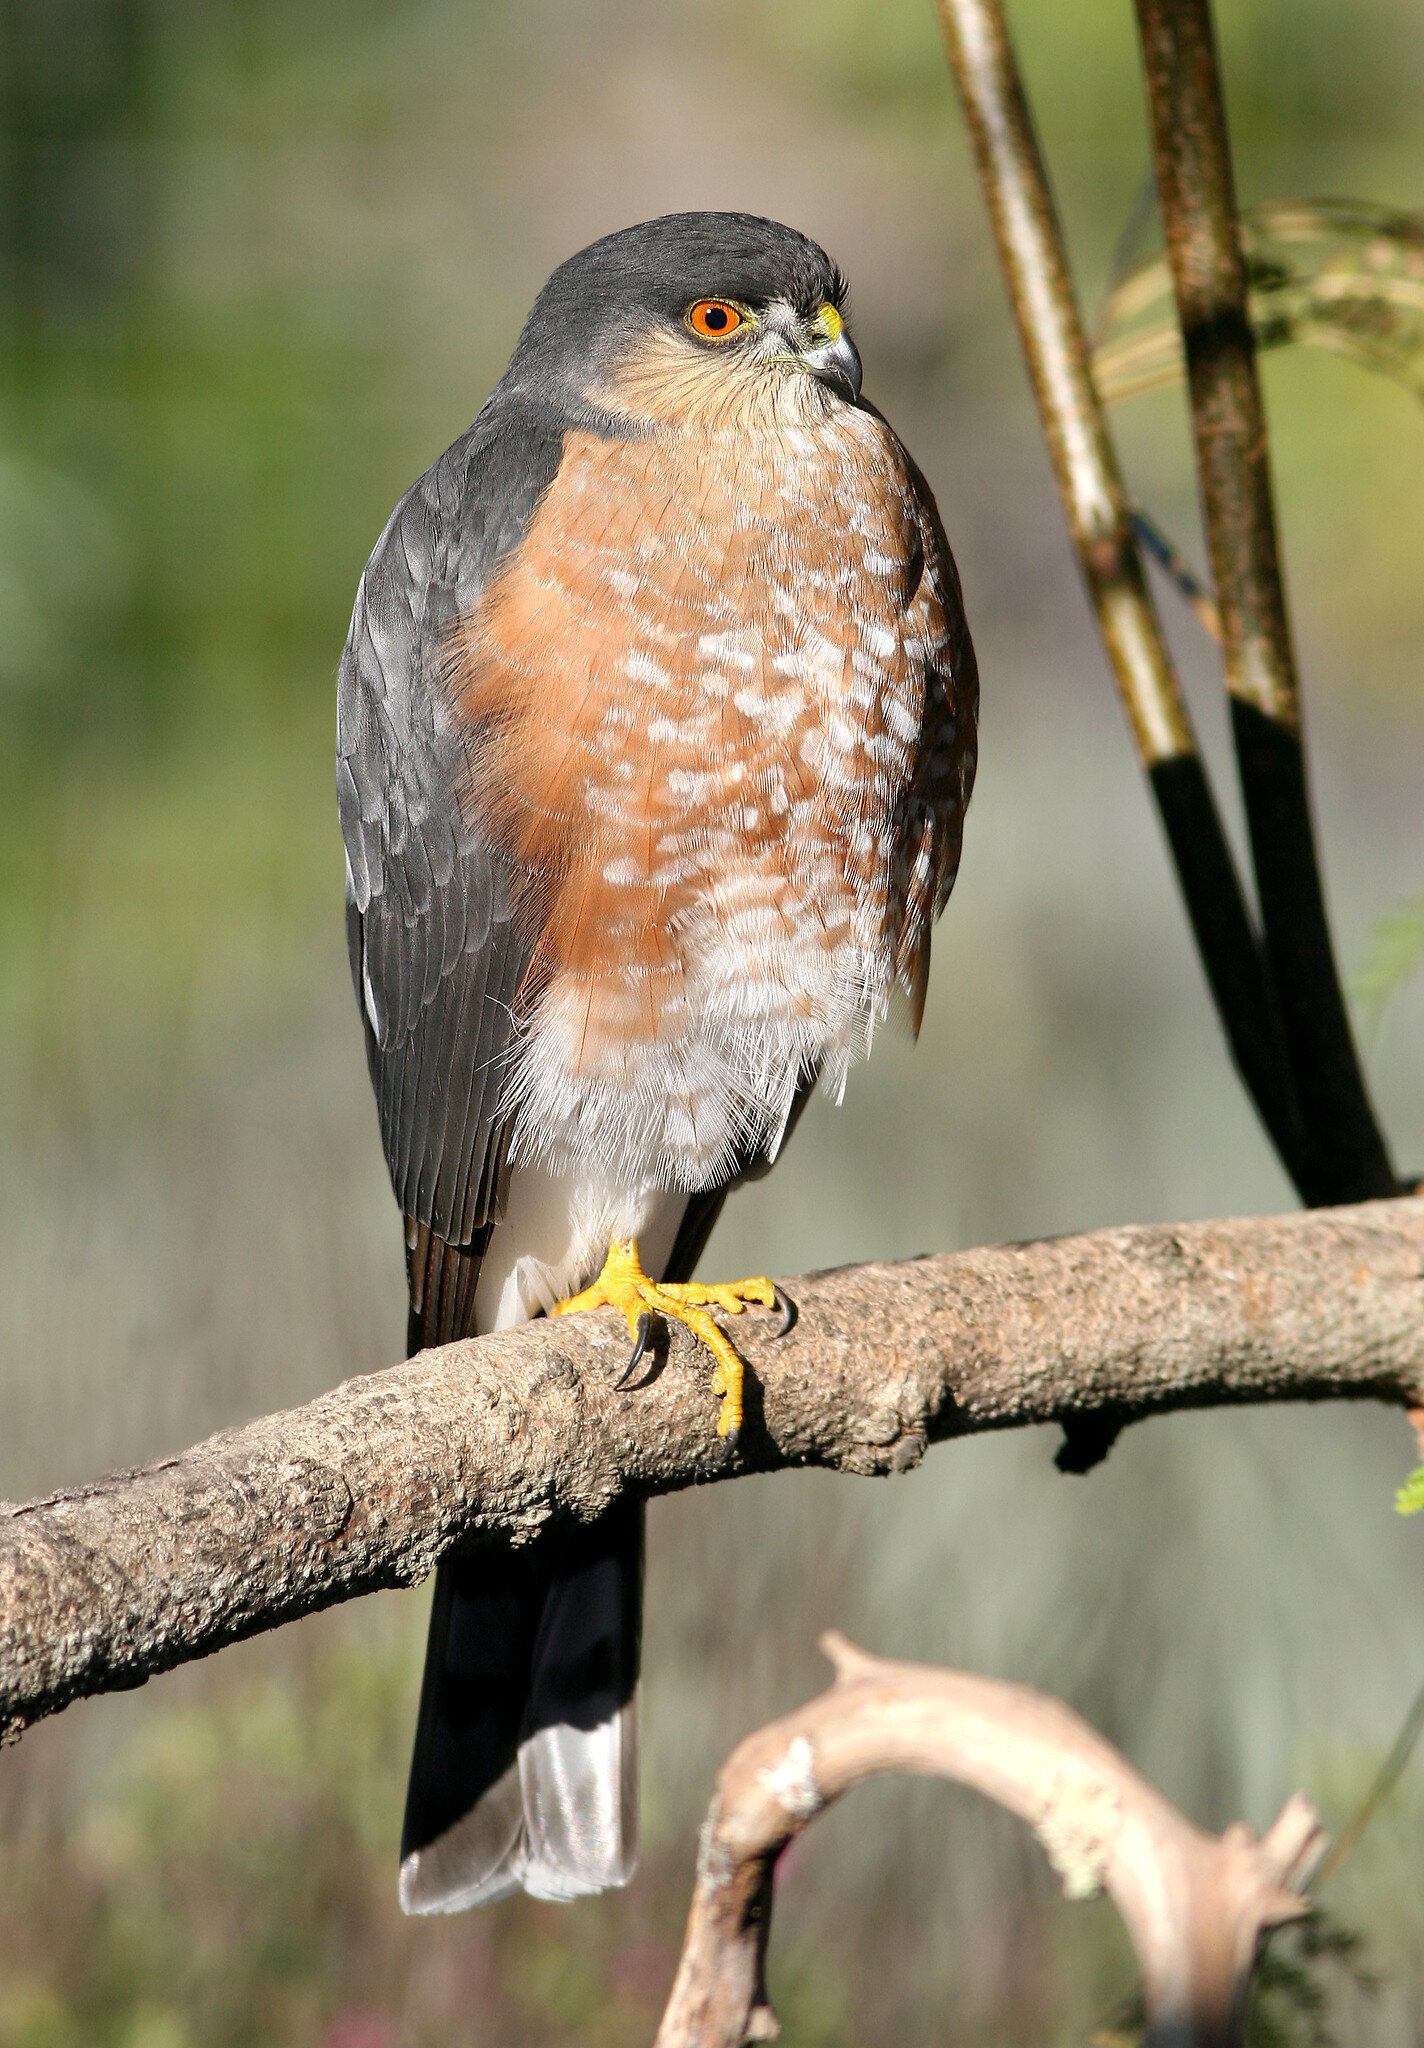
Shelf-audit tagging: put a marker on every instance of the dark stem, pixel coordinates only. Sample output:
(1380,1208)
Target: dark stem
(1231,955)
(1346,1158)
(1100,522)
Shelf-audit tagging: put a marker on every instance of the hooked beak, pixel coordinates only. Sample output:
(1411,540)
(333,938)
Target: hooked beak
(836,364)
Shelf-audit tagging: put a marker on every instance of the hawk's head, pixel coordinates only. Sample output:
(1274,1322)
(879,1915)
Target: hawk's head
(686,315)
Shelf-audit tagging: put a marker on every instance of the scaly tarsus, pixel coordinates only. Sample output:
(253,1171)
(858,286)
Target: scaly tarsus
(625,1286)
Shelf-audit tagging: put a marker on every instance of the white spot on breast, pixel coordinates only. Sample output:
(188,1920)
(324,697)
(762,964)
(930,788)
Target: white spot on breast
(901,719)
(843,735)
(692,784)
(751,890)
(639,667)
(823,662)
(735,647)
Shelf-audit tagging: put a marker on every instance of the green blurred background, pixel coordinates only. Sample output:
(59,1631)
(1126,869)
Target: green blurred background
(261,262)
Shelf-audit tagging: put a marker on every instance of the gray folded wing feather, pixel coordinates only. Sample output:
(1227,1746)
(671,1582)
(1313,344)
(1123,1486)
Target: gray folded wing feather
(437,956)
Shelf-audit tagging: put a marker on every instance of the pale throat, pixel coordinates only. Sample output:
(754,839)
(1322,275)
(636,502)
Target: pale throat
(671,383)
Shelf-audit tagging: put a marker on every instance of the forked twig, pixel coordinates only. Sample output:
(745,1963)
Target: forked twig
(1195,1905)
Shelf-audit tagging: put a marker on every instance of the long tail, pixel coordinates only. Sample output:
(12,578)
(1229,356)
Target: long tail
(525,1770)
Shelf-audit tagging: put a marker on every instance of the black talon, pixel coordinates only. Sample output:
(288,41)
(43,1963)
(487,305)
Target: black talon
(731,1440)
(645,1338)
(787,1307)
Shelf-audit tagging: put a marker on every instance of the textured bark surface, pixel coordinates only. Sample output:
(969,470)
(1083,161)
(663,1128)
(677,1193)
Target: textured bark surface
(1194,1904)
(104,1585)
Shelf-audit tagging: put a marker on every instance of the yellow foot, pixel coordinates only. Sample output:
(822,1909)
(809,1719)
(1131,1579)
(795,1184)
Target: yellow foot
(625,1286)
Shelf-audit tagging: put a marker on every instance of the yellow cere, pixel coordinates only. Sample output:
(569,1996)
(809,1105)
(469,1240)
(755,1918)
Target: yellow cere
(830,321)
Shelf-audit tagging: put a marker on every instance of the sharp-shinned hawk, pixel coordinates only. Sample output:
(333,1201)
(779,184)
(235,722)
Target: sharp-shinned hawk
(656,727)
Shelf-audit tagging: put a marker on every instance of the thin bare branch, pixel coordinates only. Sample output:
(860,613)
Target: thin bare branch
(493,1439)
(1099,520)
(1172,564)
(1040,289)
(1194,1904)
(1345,1157)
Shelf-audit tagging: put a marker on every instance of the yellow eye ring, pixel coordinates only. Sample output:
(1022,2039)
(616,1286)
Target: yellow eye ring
(714,319)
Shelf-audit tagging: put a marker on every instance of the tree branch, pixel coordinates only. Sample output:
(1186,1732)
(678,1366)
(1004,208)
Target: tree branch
(1194,1904)
(491,1439)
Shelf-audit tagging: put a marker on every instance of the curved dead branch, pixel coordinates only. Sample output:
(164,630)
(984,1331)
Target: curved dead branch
(1194,1904)
(489,1440)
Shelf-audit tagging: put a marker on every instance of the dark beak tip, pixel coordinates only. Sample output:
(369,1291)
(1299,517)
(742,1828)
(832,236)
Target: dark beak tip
(838,367)
(855,369)
(850,370)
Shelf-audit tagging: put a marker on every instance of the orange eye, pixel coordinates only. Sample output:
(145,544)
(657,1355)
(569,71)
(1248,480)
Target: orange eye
(714,319)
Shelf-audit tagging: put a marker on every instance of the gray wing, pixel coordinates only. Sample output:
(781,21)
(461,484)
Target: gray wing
(436,955)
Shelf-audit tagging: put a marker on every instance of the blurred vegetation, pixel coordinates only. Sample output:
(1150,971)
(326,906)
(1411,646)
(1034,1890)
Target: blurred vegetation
(258,264)
(225,1882)
(228,1884)
(223,1878)
(1394,956)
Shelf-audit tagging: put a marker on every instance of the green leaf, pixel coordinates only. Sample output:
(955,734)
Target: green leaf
(1410,1497)
(1394,955)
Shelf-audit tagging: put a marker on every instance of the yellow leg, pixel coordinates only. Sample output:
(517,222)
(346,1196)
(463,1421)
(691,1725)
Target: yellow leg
(625,1286)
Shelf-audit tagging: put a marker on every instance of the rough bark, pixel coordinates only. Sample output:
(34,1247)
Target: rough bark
(102,1586)
(1195,1905)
